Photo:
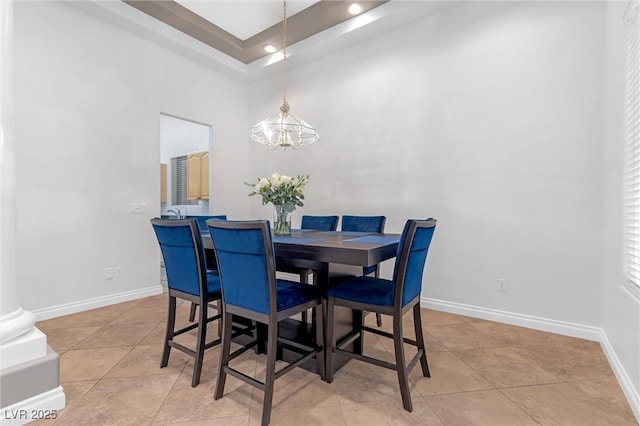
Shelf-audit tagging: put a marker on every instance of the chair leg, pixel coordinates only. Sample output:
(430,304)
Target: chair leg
(224,355)
(269,381)
(378,315)
(330,342)
(401,366)
(219,311)
(192,312)
(358,323)
(171,324)
(304,279)
(202,339)
(417,324)
(318,320)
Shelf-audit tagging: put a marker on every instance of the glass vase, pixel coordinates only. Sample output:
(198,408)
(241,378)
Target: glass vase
(282,219)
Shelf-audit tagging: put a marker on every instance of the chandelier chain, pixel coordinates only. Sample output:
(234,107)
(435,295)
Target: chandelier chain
(284,50)
(284,130)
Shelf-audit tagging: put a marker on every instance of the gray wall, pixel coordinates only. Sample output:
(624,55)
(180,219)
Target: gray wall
(88,102)
(487,117)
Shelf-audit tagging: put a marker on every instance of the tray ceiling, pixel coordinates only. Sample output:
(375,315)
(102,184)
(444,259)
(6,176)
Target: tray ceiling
(241,29)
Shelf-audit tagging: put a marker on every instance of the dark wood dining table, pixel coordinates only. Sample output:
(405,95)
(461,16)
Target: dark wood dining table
(335,256)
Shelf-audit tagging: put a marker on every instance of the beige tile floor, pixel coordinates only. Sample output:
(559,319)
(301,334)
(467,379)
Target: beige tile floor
(482,373)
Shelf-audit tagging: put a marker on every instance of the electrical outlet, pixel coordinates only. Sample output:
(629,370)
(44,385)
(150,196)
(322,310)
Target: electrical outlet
(118,272)
(108,273)
(502,285)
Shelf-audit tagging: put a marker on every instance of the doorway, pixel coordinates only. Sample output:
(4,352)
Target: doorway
(186,167)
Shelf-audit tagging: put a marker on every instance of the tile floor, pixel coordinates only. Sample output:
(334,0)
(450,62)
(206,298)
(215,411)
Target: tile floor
(483,373)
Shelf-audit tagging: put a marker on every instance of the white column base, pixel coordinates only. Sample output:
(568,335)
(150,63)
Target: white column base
(14,324)
(42,406)
(27,347)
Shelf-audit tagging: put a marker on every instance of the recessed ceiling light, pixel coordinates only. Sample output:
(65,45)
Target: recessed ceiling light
(355,9)
(269,48)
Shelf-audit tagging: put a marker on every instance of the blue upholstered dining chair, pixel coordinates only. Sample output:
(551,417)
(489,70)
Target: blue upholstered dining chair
(209,257)
(250,289)
(320,223)
(366,224)
(390,297)
(316,223)
(188,279)
(202,220)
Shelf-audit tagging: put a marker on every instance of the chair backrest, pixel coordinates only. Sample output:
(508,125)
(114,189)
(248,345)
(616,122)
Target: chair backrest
(244,251)
(363,223)
(320,223)
(183,254)
(202,220)
(410,259)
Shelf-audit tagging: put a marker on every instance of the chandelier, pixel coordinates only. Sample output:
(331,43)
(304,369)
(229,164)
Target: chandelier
(284,130)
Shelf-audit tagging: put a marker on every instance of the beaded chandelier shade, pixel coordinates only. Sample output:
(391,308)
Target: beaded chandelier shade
(284,130)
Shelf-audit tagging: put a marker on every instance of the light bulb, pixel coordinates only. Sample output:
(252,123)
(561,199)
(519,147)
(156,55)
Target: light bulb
(355,9)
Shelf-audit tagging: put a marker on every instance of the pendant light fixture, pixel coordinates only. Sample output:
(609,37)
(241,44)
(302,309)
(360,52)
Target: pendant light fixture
(284,130)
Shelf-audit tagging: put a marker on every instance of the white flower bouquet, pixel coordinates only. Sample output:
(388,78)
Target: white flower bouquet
(285,193)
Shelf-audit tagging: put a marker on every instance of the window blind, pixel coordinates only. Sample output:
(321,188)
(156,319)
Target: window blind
(632,153)
(179,182)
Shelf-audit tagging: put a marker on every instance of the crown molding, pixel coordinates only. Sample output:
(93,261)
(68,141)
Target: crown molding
(304,24)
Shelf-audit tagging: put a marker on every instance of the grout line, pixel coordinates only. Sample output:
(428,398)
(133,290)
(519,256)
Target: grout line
(255,405)
(519,406)
(155,416)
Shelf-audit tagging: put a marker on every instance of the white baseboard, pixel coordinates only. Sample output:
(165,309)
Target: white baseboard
(623,378)
(43,406)
(596,334)
(97,302)
(544,324)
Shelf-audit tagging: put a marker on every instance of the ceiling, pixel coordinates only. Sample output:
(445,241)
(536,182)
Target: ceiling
(241,29)
(229,17)
(230,35)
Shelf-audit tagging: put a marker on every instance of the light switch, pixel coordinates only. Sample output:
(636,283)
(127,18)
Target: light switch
(137,208)
(108,273)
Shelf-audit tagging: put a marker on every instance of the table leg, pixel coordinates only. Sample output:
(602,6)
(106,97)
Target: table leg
(346,320)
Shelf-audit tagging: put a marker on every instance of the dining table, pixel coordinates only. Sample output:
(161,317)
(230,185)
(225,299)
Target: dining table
(334,256)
